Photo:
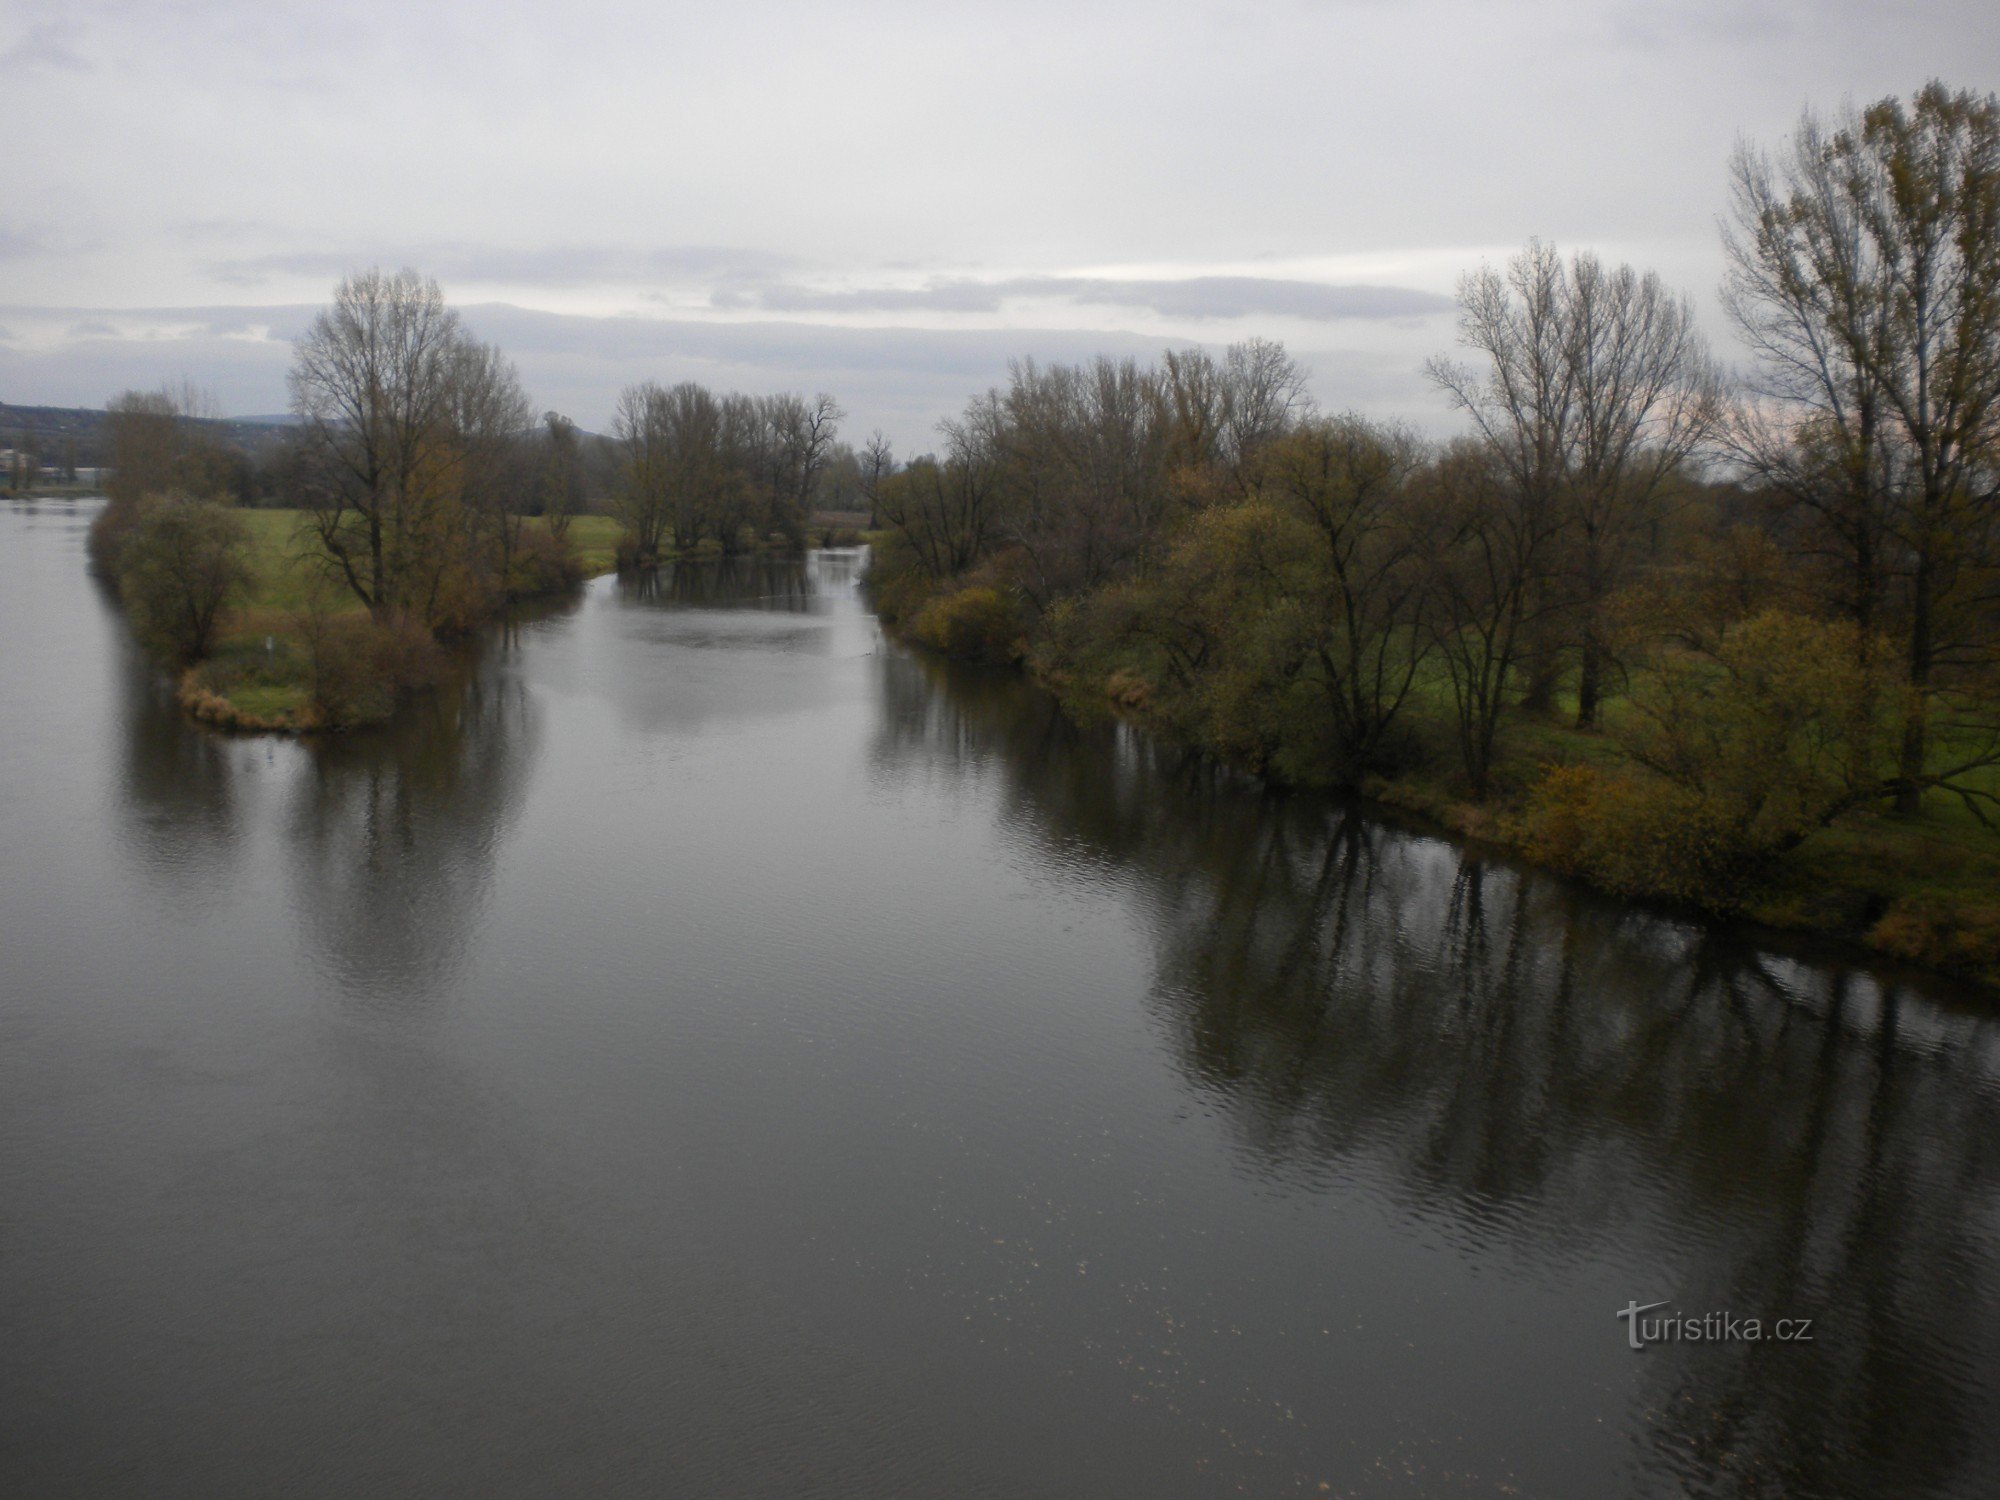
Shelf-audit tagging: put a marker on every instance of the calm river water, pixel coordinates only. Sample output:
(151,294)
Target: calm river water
(717,1053)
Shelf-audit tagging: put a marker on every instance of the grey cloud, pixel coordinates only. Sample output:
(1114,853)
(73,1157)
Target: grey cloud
(1190,297)
(46,45)
(900,379)
(285,321)
(1746,23)
(550,266)
(18,242)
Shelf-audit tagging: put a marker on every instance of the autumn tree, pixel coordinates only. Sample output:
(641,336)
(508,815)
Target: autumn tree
(644,497)
(1594,391)
(180,564)
(161,442)
(1364,593)
(406,453)
(561,483)
(1490,540)
(1865,273)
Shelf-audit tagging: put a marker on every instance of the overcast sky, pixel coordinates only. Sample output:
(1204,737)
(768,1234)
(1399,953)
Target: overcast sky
(881,200)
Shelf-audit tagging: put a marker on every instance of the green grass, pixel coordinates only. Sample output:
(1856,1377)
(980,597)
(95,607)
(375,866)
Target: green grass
(283,571)
(595,539)
(247,684)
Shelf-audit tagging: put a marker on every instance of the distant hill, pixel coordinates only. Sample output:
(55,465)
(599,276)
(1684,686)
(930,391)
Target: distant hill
(51,430)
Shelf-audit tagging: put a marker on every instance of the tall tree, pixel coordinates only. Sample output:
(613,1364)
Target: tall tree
(1865,272)
(1647,396)
(1523,405)
(372,386)
(562,478)
(1595,390)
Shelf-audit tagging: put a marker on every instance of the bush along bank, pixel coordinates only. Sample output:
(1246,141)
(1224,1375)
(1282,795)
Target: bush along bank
(1674,705)
(429,502)
(236,605)
(1923,890)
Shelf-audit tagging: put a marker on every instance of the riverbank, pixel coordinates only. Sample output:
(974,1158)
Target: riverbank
(1923,890)
(259,678)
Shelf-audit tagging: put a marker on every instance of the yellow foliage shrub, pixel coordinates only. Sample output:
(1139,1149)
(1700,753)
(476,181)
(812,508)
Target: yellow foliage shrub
(1632,835)
(975,624)
(1942,930)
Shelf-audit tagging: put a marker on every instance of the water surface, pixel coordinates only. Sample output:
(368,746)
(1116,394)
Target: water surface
(717,1053)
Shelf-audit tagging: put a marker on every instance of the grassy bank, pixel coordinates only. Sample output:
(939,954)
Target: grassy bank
(259,675)
(1924,890)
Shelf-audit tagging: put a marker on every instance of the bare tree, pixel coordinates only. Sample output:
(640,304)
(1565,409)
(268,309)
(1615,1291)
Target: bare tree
(1265,393)
(1647,396)
(948,509)
(1595,391)
(1490,542)
(491,420)
(372,386)
(878,463)
(1522,402)
(181,564)
(162,442)
(1865,271)
(1366,594)
(562,473)
(644,494)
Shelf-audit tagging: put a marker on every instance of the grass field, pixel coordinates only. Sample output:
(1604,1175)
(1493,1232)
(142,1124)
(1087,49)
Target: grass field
(257,676)
(282,549)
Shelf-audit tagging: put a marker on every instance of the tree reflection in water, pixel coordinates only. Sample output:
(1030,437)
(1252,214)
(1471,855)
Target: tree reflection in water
(395,831)
(176,787)
(1544,1069)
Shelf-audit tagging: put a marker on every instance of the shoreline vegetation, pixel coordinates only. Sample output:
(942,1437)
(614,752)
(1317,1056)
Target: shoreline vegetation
(1726,640)
(1729,643)
(1924,891)
(413,500)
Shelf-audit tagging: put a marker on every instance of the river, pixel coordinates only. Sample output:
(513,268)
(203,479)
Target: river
(716,1052)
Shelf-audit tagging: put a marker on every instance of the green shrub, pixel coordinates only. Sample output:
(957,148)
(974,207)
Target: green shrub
(357,666)
(179,564)
(973,624)
(542,564)
(1634,835)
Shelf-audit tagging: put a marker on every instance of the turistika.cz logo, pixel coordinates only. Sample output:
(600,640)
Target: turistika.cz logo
(1708,1328)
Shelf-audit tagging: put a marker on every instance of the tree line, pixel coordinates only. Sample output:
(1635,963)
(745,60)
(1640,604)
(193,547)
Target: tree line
(432,494)
(1713,613)
(695,467)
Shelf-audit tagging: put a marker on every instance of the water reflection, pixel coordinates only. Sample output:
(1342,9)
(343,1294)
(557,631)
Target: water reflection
(393,834)
(177,791)
(1532,1067)
(780,584)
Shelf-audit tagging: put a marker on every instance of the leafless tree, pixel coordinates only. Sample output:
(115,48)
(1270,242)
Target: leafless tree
(562,473)
(1522,401)
(1865,272)
(878,463)
(1595,390)
(1365,596)
(1647,397)
(644,502)
(1489,544)
(372,385)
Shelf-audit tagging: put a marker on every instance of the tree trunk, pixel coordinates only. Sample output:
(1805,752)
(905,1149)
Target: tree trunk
(1589,681)
(1910,765)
